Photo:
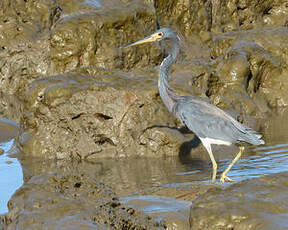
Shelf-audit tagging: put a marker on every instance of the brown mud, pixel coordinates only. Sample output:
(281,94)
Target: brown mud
(76,201)
(79,100)
(8,130)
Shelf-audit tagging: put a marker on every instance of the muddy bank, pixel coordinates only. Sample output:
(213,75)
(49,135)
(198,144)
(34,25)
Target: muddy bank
(84,98)
(94,38)
(78,201)
(63,40)
(11,107)
(99,114)
(8,130)
(252,204)
(238,77)
(216,16)
(25,21)
(259,203)
(24,26)
(261,66)
(174,212)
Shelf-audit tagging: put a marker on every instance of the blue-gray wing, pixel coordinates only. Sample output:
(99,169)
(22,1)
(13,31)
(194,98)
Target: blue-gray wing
(207,120)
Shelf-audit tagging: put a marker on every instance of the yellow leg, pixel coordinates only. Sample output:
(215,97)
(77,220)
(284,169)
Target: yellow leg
(214,166)
(223,175)
(209,150)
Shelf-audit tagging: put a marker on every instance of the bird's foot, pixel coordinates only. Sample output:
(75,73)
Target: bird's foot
(225,178)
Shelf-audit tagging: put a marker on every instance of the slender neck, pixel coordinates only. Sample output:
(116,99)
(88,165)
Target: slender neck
(168,95)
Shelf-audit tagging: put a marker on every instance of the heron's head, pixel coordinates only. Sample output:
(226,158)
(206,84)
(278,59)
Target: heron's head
(161,34)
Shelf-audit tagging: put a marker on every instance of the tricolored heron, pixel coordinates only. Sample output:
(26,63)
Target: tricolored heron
(211,124)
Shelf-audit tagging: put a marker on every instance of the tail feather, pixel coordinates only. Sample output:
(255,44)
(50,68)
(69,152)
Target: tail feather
(252,137)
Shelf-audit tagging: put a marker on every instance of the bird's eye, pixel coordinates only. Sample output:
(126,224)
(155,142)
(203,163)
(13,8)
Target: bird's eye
(160,34)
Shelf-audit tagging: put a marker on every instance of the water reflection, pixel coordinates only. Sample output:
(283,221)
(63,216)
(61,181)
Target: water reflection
(129,176)
(95,3)
(11,177)
(264,161)
(102,3)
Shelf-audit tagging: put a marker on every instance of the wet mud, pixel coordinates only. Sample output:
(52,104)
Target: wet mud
(83,104)
(250,204)
(97,116)
(77,201)
(8,130)
(173,212)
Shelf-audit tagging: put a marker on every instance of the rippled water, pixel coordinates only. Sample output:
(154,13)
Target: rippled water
(264,161)
(131,175)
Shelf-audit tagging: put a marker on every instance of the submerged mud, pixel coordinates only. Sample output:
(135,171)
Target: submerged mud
(174,212)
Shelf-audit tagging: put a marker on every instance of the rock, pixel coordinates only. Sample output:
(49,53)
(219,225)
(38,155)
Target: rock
(24,52)
(236,207)
(60,44)
(76,6)
(191,20)
(21,64)
(220,16)
(102,32)
(244,15)
(96,113)
(8,130)
(25,21)
(249,61)
(188,16)
(239,80)
(10,107)
(77,201)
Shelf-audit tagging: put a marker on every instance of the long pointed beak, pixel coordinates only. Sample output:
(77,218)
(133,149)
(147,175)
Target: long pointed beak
(151,38)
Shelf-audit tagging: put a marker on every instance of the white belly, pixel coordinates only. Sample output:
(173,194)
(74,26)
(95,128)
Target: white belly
(212,141)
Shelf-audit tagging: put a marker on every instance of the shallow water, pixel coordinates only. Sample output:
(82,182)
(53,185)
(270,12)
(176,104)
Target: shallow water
(128,176)
(134,176)
(101,3)
(11,177)
(263,161)
(175,212)
(95,3)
